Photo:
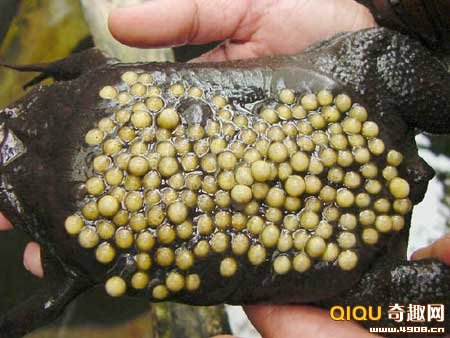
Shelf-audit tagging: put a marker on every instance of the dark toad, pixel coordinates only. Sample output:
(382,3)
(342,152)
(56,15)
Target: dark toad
(280,180)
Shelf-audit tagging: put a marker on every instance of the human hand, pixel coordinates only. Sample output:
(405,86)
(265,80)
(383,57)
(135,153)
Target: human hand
(32,253)
(252,28)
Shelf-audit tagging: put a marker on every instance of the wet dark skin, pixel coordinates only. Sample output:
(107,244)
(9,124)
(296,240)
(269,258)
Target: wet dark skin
(252,29)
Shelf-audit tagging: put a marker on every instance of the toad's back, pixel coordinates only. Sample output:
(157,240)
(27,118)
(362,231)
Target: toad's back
(200,193)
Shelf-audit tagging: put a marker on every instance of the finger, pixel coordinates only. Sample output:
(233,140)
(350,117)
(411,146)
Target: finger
(32,259)
(440,250)
(285,321)
(232,51)
(4,223)
(224,336)
(422,253)
(174,22)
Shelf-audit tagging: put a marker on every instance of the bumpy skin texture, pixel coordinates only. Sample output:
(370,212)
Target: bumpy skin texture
(396,79)
(401,83)
(427,21)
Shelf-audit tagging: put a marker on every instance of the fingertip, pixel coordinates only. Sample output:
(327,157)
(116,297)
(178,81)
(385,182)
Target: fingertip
(113,20)
(5,224)
(440,249)
(118,25)
(259,310)
(164,23)
(152,24)
(421,253)
(32,259)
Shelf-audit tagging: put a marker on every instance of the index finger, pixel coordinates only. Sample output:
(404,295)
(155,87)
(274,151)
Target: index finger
(175,22)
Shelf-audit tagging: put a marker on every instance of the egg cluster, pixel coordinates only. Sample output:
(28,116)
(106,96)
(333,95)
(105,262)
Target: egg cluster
(306,179)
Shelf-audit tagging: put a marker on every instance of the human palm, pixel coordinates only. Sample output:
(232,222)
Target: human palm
(251,28)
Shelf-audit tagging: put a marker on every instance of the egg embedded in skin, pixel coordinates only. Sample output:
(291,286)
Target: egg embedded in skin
(307,179)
